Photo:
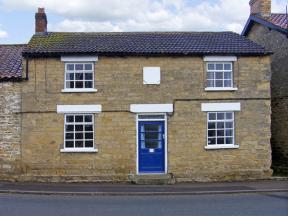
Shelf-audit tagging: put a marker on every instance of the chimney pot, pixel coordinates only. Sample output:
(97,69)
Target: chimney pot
(40,21)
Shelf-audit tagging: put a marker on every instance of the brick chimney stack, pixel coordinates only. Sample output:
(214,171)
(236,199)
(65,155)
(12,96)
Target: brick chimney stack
(260,7)
(40,21)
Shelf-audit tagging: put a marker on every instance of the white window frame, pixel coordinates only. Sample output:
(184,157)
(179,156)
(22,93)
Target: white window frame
(221,107)
(71,90)
(218,146)
(220,59)
(79,149)
(223,88)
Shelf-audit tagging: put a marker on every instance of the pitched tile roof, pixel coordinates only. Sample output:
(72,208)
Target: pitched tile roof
(11,61)
(276,21)
(142,43)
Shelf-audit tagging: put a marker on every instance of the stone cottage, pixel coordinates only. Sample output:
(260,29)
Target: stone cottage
(174,106)
(10,106)
(271,30)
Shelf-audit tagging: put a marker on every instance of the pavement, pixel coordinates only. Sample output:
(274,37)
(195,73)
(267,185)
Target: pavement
(121,189)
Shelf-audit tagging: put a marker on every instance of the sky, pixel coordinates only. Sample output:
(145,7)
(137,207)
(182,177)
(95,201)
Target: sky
(17,16)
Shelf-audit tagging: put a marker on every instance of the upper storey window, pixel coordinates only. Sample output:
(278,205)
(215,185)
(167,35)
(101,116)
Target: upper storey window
(79,74)
(219,73)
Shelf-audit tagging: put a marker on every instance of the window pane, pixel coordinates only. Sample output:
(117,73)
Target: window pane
(69,128)
(88,118)
(219,83)
(78,136)
(79,84)
(229,125)
(229,115)
(79,76)
(88,84)
(69,144)
(211,67)
(229,140)
(227,75)
(88,144)
(78,144)
(69,136)
(70,67)
(219,75)
(78,127)
(152,144)
(220,125)
(219,66)
(70,84)
(210,75)
(227,83)
(220,116)
(88,135)
(211,125)
(211,133)
(227,67)
(88,66)
(210,83)
(69,118)
(79,67)
(220,133)
(220,141)
(78,118)
(149,127)
(88,76)
(88,128)
(228,132)
(212,116)
(211,141)
(69,76)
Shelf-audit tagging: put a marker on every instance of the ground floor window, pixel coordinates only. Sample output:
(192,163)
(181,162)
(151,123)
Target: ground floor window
(79,131)
(220,128)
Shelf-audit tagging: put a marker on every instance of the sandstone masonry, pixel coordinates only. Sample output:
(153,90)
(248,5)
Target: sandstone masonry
(119,83)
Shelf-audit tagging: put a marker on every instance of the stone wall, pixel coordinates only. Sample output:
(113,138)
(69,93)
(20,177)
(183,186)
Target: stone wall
(119,82)
(10,130)
(277,43)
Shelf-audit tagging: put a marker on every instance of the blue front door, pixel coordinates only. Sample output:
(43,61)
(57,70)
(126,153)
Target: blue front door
(151,146)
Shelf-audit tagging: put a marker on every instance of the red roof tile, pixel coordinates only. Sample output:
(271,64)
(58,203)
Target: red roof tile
(11,61)
(278,19)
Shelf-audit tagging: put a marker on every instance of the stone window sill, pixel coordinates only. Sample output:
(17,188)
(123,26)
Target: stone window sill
(214,147)
(72,150)
(220,89)
(91,90)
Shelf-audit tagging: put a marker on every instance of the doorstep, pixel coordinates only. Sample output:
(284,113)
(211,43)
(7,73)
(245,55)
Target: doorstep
(152,179)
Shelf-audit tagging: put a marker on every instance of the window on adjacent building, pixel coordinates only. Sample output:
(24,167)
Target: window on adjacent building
(79,76)
(220,128)
(79,131)
(219,75)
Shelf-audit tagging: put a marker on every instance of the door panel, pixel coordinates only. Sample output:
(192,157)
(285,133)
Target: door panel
(151,146)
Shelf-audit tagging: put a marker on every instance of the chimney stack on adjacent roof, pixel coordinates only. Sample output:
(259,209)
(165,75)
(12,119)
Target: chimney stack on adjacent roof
(260,7)
(40,21)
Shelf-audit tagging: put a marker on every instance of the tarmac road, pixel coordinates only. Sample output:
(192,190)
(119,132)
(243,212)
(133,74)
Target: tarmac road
(262,204)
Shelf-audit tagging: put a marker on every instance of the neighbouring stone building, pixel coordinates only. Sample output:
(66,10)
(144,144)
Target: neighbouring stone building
(271,30)
(10,107)
(183,106)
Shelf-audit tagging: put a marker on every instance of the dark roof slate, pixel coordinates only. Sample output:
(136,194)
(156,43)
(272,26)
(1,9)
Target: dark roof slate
(276,21)
(11,61)
(142,43)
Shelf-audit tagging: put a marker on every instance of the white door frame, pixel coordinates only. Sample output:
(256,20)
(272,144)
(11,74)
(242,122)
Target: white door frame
(165,143)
